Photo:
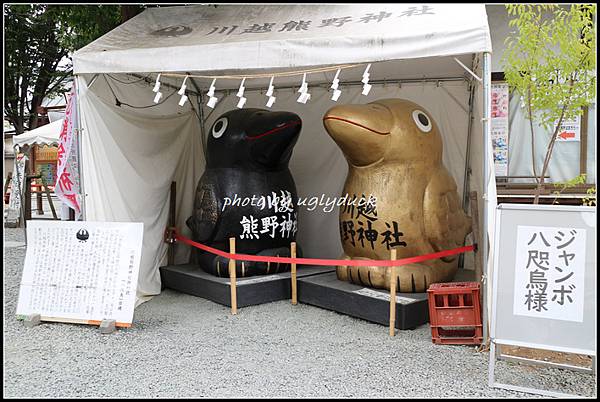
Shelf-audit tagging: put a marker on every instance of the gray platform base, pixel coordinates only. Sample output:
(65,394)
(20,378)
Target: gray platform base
(326,291)
(191,279)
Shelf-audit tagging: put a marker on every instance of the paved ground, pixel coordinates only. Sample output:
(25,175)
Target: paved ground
(184,346)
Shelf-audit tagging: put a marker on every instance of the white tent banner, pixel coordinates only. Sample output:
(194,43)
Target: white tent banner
(232,37)
(14,202)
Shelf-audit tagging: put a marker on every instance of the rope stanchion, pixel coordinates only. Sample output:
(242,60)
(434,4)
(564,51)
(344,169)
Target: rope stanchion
(172,235)
(232,278)
(320,261)
(293,275)
(393,296)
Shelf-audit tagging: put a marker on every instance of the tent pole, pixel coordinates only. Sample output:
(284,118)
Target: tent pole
(467,173)
(79,147)
(487,77)
(468,152)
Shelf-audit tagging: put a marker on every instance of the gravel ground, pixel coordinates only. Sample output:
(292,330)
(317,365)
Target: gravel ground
(184,346)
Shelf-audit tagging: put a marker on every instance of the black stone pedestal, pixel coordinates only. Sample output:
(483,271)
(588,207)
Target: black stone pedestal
(193,280)
(326,291)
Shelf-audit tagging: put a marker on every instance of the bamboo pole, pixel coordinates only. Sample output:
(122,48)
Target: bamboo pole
(294,276)
(393,295)
(232,285)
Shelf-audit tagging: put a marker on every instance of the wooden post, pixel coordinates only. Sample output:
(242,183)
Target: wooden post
(476,239)
(232,277)
(7,182)
(26,198)
(393,295)
(47,191)
(294,282)
(40,205)
(172,215)
(583,143)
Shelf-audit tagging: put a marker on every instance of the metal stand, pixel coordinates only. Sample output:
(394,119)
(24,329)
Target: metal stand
(108,326)
(32,320)
(497,354)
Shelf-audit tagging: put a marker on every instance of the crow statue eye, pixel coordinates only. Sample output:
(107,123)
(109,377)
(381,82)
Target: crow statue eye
(219,127)
(422,121)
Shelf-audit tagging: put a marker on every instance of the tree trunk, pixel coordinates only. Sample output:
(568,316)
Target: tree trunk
(128,12)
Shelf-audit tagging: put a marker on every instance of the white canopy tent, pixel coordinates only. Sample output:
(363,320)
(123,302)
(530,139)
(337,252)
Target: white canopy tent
(132,149)
(48,134)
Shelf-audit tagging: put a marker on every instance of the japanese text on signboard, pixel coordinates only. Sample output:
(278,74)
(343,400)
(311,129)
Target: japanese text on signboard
(549,277)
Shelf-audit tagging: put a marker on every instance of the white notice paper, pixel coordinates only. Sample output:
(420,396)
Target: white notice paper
(549,273)
(383,296)
(81,271)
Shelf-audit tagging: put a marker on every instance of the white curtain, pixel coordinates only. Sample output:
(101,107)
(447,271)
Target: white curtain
(129,158)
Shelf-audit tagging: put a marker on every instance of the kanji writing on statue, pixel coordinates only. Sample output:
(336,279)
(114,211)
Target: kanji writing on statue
(285,225)
(360,230)
(549,276)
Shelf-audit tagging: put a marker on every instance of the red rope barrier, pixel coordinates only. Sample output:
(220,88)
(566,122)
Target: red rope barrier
(316,261)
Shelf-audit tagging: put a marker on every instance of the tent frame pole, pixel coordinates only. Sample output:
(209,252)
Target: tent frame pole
(80,147)
(467,172)
(487,78)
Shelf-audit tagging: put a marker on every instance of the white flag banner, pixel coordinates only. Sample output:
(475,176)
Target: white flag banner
(67,171)
(14,202)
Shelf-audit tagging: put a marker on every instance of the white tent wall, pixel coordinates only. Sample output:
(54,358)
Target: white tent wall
(129,158)
(318,166)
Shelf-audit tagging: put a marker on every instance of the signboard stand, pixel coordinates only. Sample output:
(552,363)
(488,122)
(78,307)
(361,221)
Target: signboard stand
(518,359)
(108,326)
(496,354)
(32,320)
(544,286)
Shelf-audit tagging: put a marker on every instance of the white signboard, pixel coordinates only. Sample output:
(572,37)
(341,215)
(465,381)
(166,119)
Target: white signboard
(499,127)
(544,277)
(81,272)
(544,283)
(570,129)
(549,272)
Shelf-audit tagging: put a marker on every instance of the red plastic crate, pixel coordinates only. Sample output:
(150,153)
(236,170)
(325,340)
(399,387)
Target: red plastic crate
(455,313)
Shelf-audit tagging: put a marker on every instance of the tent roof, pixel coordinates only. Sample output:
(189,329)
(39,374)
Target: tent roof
(47,134)
(204,38)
